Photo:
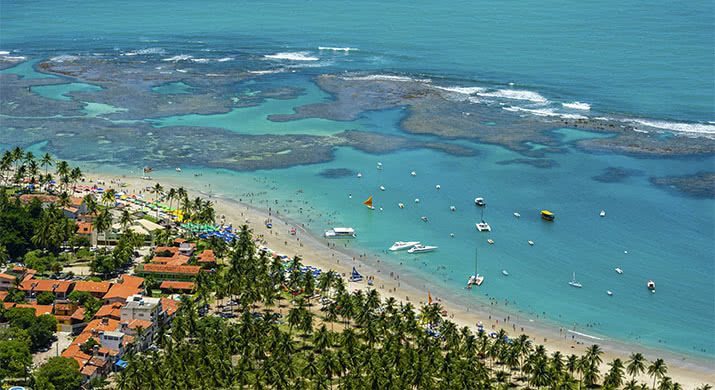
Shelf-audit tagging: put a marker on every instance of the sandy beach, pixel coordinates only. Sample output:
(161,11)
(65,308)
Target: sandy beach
(391,281)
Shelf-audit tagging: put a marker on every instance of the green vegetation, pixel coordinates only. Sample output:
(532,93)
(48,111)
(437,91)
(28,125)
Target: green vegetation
(110,263)
(15,357)
(39,329)
(58,374)
(45,298)
(354,341)
(88,301)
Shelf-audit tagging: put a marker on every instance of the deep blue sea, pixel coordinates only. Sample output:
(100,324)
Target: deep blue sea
(649,60)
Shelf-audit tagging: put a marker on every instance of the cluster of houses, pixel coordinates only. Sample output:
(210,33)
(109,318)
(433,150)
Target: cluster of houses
(170,265)
(128,319)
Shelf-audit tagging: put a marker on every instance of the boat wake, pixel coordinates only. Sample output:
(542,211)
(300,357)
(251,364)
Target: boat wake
(292,56)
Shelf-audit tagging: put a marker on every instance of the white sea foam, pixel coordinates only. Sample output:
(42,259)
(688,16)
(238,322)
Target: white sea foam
(5,56)
(268,71)
(461,90)
(225,59)
(201,60)
(345,49)
(182,70)
(177,58)
(694,128)
(385,77)
(4,52)
(577,106)
(292,56)
(64,58)
(147,51)
(544,112)
(215,74)
(515,94)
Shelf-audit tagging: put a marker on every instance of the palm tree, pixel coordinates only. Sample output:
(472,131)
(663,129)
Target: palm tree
(171,195)
(63,170)
(126,219)
(46,161)
(103,223)
(4,255)
(108,197)
(615,374)
(635,365)
(657,370)
(75,175)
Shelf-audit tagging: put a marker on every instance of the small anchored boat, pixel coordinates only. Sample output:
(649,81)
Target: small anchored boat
(424,219)
(505,272)
(547,215)
(178,169)
(531,242)
(490,241)
(413,173)
(401,205)
(609,292)
(452,208)
(417,200)
(382,188)
(379,165)
(419,248)
(479,202)
(475,279)
(574,283)
(340,232)
(602,213)
(359,175)
(517,215)
(438,187)
(651,286)
(618,270)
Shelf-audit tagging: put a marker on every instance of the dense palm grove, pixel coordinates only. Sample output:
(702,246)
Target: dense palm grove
(284,338)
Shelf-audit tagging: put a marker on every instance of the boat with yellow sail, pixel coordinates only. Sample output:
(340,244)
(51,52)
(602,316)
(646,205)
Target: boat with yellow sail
(368,203)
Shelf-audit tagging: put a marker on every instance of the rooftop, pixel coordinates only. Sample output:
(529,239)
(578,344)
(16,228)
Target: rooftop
(172,269)
(92,287)
(42,285)
(173,285)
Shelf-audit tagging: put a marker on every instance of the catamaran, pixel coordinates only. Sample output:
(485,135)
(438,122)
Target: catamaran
(483,227)
(479,202)
(574,283)
(368,203)
(401,245)
(419,248)
(476,278)
(340,232)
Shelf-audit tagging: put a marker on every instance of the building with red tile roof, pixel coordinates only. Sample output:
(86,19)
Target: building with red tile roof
(97,289)
(169,272)
(7,281)
(169,286)
(111,310)
(32,287)
(44,199)
(39,309)
(127,286)
(207,258)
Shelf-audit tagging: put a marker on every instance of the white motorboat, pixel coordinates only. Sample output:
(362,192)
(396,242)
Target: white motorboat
(413,173)
(609,292)
(401,205)
(417,200)
(379,165)
(620,271)
(401,245)
(178,169)
(505,272)
(517,215)
(490,241)
(382,188)
(419,248)
(359,175)
(438,187)
(483,227)
(340,232)
(424,219)
(602,213)
(574,283)
(452,208)
(479,202)
(531,242)
(651,286)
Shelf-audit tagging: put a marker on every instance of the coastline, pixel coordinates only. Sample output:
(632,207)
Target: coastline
(390,281)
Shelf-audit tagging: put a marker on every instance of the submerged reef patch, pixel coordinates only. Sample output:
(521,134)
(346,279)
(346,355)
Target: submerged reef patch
(698,185)
(616,174)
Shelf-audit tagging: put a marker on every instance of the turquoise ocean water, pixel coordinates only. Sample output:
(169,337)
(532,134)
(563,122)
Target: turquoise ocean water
(646,60)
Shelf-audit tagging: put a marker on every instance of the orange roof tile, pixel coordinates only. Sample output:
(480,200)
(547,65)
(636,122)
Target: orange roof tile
(112,310)
(169,306)
(7,277)
(3,294)
(172,269)
(39,309)
(174,250)
(84,227)
(27,198)
(173,285)
(42,285)
(76,201)
(122,291)
(133,281)
(207,256)
(92,287)
(78,314)
(135,324)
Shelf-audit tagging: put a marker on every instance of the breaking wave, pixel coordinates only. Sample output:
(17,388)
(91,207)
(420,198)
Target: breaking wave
(692,128)
(345,49)
(385,77)
(177,58)
(64,58)
(577,106)
(515,94)
(292,56)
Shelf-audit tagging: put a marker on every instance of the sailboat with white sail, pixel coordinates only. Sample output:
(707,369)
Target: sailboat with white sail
(573,282)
